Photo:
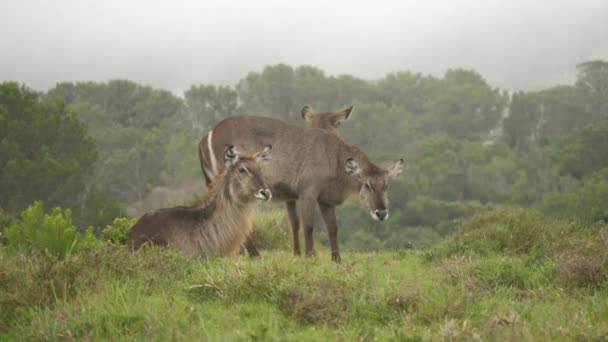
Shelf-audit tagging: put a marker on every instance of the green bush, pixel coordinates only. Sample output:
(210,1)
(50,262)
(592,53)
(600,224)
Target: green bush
(118,231)
(53,232)
(507,231)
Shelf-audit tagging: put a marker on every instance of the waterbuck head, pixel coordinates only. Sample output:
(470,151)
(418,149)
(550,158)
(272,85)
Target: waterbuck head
(245,180)
(374,185)
(328,121)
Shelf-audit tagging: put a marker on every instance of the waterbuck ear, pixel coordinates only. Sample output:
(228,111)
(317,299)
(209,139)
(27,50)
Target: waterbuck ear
(346,112)
(231,156)
(338,117)
(396,168)
(263,155)
(308,113)
(352,167)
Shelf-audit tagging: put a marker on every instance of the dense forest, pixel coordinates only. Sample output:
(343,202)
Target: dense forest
(120,148)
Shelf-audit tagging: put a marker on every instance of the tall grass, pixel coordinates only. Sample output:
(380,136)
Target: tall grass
(469,288)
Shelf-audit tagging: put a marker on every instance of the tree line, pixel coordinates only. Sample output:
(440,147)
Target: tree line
(98,147)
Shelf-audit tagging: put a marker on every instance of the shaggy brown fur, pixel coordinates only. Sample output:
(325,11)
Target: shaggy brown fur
(217,227)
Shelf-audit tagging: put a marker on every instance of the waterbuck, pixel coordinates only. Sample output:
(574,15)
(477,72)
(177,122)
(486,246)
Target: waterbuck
(218,226)
(329,121)
(310,166)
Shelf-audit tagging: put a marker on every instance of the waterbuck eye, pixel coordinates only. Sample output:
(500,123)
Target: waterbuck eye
(242,171)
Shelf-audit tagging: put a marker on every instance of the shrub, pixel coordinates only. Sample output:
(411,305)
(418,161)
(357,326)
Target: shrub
(507,231)
(53,233)
(118,231)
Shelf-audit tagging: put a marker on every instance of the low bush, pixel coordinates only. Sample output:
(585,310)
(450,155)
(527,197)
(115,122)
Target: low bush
(506,231)
(118,231)
(53,232)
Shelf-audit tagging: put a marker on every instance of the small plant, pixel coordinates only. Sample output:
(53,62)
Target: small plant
(53,233)
(118,231)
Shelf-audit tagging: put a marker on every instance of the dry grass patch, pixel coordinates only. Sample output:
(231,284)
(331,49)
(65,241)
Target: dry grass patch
(319,301)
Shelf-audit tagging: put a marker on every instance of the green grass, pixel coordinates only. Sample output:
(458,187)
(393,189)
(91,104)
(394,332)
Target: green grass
(500,291)
(159,295)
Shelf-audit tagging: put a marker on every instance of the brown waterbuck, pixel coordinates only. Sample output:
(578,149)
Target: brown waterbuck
(329,121)
(218,226)
(310,166)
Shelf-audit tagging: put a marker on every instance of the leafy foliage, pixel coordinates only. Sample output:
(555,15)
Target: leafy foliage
(53,233)
(118,231)
(45,152)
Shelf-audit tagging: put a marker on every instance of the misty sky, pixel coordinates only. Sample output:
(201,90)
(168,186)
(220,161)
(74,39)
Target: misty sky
(515,44)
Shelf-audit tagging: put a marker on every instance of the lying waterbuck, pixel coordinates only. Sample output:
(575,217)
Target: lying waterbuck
(310,166)
(329,121)
(221,224)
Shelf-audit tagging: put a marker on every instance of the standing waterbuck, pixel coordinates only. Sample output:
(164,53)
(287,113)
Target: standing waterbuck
(218,226)
(329,121)
(310,166)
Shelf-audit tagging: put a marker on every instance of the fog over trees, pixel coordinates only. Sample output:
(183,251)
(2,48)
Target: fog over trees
(516,45)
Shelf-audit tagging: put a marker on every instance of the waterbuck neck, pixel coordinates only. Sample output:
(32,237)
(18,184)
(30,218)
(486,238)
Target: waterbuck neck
(227,220)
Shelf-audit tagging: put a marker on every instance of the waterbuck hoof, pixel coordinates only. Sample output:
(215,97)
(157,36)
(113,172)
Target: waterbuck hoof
(311,254)
(336,257)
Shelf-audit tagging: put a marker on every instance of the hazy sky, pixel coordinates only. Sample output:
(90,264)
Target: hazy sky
(515,44)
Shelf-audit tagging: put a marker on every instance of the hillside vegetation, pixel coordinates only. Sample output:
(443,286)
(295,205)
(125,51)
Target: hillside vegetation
(497,230)
(510,274)
(106,149)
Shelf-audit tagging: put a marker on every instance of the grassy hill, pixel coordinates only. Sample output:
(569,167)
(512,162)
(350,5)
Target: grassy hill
(507,275)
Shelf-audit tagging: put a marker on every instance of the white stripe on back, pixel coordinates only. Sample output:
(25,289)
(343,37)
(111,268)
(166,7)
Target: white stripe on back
(211,153)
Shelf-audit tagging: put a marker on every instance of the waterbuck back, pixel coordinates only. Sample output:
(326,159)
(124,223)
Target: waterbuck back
(328,121)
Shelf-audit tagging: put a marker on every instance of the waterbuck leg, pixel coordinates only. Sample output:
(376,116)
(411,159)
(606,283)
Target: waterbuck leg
(328,212)
(306,214)
(295,226)
(250,247)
